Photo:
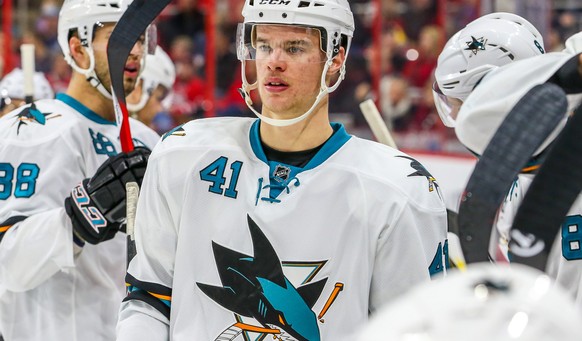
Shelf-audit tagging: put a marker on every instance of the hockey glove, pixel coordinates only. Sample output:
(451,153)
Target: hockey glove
(97,205)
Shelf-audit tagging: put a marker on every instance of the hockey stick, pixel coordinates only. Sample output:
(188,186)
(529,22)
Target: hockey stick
(507,153)
(549,198)
(133,23)
(376,123)
(27,61)
(132,190)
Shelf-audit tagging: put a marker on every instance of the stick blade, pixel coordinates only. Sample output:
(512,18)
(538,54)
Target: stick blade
(507,153)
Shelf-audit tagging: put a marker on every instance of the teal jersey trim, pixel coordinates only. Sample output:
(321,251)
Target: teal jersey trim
(333,144)
(277,183)
(256,141)
(83,110)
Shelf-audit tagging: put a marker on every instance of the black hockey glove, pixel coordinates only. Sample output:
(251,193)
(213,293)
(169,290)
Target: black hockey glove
(97,205)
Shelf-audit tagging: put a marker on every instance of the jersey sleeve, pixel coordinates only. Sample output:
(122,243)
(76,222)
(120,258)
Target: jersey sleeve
(35,249)
(412,247)
(35,232)
(150,273)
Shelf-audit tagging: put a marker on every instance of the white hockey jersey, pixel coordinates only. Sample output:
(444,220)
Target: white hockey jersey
(565,259)
(231,246)
(478,120)
(50,294)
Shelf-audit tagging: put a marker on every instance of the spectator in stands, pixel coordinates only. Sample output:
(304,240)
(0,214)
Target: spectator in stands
(42,55)
(189,94)
(60,74)
(395,101)
(46,25)
(420,67)
(418,14)
(184,19)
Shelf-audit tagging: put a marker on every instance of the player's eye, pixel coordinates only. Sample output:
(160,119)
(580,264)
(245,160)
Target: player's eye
(264,48)
(295,50)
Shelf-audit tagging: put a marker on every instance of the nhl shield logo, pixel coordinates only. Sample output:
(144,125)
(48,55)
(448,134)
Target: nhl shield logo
(281,172)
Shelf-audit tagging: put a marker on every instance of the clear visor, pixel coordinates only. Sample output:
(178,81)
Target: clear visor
(148,40)
(447,107)
(289,43)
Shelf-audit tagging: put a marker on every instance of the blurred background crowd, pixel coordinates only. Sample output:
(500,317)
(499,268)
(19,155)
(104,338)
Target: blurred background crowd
(392,58)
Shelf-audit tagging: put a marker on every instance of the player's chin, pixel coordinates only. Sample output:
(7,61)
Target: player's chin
(129,84)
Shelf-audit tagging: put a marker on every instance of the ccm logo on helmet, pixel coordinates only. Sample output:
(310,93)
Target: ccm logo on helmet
(274,2)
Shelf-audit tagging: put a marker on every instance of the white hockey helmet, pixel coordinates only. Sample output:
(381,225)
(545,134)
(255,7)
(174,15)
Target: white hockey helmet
(486,302)
(488,42)
(12,86)
(82,16)
(159,70)
(333,18)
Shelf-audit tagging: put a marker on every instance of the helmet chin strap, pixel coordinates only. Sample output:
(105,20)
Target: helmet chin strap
(89,73)
(141,104)
(246,89)
(96,83)
(138,106)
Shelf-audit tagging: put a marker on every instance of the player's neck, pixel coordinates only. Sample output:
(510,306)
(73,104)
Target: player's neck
(90,97)
(304,135)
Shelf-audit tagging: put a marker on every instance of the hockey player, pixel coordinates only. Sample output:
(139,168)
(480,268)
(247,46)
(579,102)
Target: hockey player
(153,91)
(487,302)
(283,227)
(507,85)
(12,90)
(493,92)
(62,192)
(486,43)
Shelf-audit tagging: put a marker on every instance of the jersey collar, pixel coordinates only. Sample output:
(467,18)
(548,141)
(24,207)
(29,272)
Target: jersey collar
(83,110)
(334,143)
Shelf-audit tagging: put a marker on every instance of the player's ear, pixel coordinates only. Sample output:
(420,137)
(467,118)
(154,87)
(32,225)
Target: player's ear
(337,62)
(79,52)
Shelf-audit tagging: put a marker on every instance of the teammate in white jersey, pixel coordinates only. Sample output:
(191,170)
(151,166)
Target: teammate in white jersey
(62,194)
(152,93)
(286,226)
(485,93)
(507,85)
(486,43)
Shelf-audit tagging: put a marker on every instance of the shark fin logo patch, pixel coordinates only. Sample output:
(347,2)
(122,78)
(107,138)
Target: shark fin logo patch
(31,114)
(421,171)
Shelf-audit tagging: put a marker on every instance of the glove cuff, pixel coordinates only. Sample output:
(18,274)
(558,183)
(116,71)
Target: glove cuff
(86,218)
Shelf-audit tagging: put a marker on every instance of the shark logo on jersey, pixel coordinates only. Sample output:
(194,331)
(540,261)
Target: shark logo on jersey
(31,114)
(421,171)
(256,288)
(476,45)
(177,131)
